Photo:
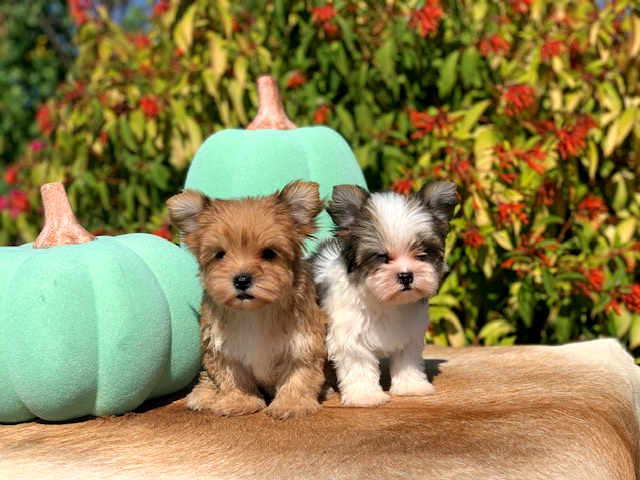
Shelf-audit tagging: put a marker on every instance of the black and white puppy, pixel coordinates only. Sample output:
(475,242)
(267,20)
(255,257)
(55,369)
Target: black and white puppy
(374,279)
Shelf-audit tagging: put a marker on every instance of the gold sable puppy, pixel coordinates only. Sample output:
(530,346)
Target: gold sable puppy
(261,327)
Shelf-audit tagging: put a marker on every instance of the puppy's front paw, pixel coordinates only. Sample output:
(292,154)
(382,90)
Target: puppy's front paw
(285,409)
(205,397)
(364,398)
(416,387)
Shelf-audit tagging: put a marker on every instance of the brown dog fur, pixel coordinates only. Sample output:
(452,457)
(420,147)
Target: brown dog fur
(500,413)
(270,336)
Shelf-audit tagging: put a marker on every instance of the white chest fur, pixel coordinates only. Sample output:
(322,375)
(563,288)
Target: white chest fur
(257,339)
(381,329)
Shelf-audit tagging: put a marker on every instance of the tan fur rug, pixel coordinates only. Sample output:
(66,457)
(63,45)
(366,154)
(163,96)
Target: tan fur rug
(526,412)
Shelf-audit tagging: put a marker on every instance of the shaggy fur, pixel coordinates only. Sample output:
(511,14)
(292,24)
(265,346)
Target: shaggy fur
(503,413)
(374,279)
(262,330)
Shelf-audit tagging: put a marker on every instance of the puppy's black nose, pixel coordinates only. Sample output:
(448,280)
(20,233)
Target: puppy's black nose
(405,278)
(242,281)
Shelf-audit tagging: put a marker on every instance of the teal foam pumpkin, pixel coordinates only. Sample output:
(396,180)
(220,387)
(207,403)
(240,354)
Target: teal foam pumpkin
(93,326)
(270,153)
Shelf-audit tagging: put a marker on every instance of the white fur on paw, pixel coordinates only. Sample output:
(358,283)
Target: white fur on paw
(412,388)
(364,398)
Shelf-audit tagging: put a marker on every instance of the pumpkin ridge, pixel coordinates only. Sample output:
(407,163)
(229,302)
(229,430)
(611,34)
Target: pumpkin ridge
(183,364)
(17,410)
(126,339)
(41,349)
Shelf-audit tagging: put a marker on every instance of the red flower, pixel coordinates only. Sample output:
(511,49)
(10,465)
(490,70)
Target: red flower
(508,263)
(425,123)
(494,44)
(472,238)
(551,48)
(329,28)
(140,40)
(16,202)
(631,298)
(508,158)
(613,305)
(427,18)
(320,115)
(161,7)
(78,10)
(530,157)
(74,91)
(43,117)
(572,138)
(403,185)
(508,212)
(546,193)
(323,16)
(11,175)
(150,106)
(37,145)
(520,6)
(163,232)
(518,98)
(593,282)
(296,79)
(19,200)
(591,207)
(543,127)
(595,278)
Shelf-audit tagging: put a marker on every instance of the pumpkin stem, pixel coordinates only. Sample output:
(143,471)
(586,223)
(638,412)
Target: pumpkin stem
(60,224)
(271,114)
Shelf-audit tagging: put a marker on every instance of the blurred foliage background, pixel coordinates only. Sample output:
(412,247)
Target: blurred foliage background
(531,106)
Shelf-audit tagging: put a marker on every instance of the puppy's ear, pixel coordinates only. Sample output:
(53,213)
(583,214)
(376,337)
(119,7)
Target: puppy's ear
(184,209)
(346,202)
(440,198)
(304,202)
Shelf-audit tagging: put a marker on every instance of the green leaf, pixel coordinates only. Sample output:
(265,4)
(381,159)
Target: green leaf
(469,62)
(493,331)
(626,229)
(183,31)
(385,59)
(451,324)
(127,135)
(347,126)
(593,159)
(486,139)
(448,75)
(472,115)
(526,302)
(618,131)
(219,59)
(503,239)
(563,329)
(136,122)
(634,332)
(633,46)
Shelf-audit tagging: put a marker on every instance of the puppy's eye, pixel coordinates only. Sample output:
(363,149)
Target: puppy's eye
(269,254)
(220,255)
(423,257)
(382,257)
